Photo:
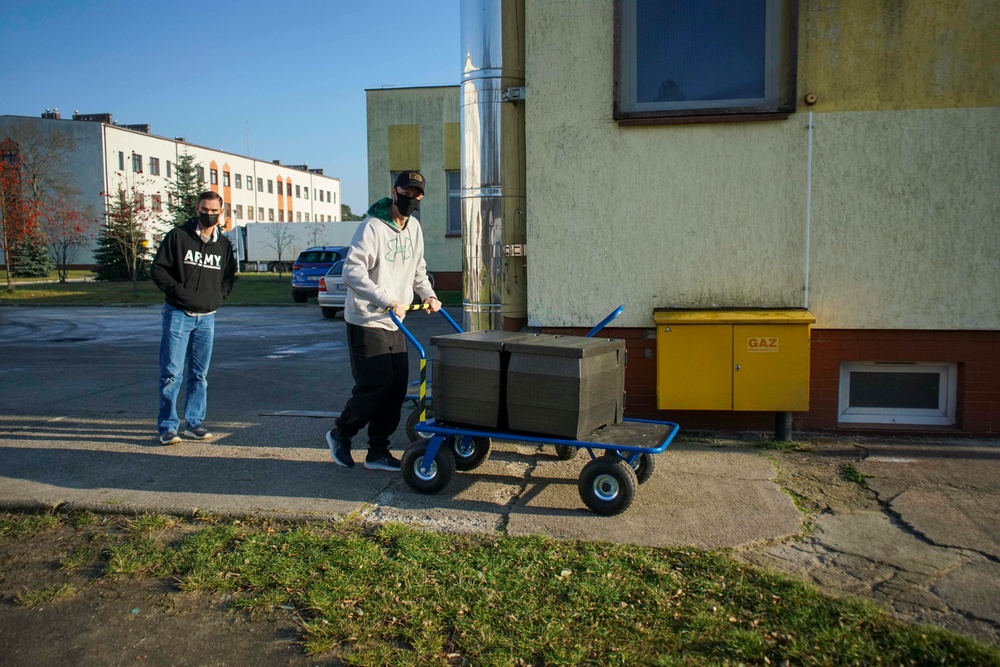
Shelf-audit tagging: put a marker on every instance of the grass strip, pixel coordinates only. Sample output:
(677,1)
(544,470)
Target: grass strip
(252,289)
(396,595)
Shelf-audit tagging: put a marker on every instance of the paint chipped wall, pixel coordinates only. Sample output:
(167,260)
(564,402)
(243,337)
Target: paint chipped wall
(904,200)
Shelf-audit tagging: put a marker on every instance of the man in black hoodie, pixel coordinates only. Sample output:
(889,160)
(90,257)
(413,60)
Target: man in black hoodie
(195,268)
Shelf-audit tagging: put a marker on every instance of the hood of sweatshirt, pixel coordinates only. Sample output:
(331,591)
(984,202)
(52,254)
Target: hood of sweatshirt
(381,210)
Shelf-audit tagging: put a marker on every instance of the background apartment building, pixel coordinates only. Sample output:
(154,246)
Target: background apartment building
(105,156)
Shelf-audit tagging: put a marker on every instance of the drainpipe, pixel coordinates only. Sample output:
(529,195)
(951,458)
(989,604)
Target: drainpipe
(494,262)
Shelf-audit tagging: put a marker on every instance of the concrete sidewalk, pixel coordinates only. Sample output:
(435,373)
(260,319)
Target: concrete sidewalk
(700,495)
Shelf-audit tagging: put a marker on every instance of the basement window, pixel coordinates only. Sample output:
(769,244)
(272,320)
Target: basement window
(898,393)
(690,61)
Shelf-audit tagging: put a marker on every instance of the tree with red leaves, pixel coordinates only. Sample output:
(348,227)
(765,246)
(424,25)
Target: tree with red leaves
(67,230)
(18,215)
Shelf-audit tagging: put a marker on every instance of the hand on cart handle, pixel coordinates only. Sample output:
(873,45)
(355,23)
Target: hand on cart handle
(432,305)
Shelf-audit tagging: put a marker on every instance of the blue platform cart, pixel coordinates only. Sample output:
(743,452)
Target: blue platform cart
(608,483)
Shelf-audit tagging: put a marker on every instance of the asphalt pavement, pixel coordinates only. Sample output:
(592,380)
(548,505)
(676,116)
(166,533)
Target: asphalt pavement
(77,430)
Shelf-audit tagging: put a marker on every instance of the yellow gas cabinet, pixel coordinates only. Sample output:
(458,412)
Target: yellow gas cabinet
(732,359)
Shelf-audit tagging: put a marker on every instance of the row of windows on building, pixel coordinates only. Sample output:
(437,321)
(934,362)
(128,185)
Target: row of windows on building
(237,180)
(156,205)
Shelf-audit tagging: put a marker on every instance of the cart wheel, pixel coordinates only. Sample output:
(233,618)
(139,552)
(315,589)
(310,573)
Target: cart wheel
(643,466)
(566,452)
(608,485)
(471,451)
(439,472)
(411,425)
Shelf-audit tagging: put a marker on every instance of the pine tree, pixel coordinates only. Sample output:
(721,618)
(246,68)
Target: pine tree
(33,259)
(182,200)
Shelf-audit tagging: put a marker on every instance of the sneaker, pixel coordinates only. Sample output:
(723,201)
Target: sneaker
(385,461)
(340,450)
(198,433)
(169,438)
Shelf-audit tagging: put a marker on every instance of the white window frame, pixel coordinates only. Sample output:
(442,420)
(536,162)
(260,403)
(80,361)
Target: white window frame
(943,415)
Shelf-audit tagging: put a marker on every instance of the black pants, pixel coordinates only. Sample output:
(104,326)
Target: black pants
(381,369)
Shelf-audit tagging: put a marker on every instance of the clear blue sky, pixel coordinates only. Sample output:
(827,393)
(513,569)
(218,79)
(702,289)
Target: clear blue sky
(295,70)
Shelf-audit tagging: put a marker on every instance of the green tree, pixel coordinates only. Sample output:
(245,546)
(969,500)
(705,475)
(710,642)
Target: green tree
(34,260)
(123,246)
(348,215)
(182,200)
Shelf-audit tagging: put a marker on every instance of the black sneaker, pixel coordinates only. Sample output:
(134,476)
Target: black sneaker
(385,461)
(169,438)
(198,433)
(340,450)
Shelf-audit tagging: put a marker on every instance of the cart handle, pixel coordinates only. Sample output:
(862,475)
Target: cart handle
(406,332)
(603,323)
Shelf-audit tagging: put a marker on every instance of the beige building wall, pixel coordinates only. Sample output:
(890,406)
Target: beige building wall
(417,128)
(904,212)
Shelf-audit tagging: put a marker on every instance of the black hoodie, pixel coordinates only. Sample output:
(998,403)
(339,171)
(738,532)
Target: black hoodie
(196,275)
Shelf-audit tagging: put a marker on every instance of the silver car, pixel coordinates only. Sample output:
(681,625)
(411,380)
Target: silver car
(332,291)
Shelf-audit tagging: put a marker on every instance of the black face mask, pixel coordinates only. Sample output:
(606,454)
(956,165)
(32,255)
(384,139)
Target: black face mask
(208,219)
(406,205)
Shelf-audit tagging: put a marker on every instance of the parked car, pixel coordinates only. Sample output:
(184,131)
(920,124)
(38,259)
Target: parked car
(332,291)
(311,265)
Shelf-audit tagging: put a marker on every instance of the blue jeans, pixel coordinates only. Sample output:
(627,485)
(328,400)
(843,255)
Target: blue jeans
(186,342)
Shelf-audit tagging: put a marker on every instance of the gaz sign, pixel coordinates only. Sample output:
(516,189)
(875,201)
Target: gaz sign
(762,344)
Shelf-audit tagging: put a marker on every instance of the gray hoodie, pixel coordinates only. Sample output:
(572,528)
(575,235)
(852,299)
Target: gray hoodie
(385,264)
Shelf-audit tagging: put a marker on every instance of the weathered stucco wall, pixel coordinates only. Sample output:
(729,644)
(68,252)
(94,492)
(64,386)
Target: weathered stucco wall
(904,207)
(434,110)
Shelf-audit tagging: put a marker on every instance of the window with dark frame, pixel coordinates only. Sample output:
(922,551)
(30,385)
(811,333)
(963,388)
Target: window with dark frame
(121,161)
(704,60)
(201,173)
(136,163)
(270,187)
(225,179)
(454,226)
(281,187)
(239,181)
(157,203)
(168,169)
(249,182)
(214,176)
(260,185)
(154,166)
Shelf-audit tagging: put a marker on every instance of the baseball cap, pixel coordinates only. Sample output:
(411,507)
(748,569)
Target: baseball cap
(410,179)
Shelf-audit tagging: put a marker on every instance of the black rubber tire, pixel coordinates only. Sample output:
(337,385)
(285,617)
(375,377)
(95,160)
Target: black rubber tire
(330,313)
(300,297)
(643,466)
(411,425)
(441,470)
(566,452)
(608,485)
(471,451)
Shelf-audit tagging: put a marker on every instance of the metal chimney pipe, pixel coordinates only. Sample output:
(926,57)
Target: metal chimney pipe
(494,266)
